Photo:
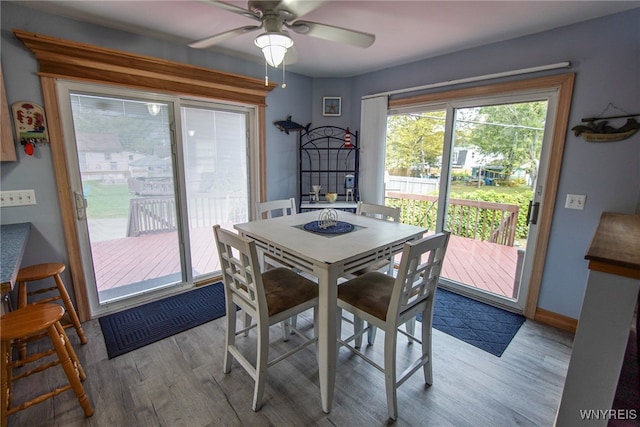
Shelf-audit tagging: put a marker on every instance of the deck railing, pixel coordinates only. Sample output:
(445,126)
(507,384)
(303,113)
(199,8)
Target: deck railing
(151,215)
(148,215)
(487,221)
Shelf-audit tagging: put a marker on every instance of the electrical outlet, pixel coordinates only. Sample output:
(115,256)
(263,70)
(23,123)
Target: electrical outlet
(17,198)
(575,201)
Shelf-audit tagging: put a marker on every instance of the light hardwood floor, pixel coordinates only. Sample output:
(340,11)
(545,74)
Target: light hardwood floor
(179,382)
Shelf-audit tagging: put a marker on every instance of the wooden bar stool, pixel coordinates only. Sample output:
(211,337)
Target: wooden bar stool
(44,271)
(30,322)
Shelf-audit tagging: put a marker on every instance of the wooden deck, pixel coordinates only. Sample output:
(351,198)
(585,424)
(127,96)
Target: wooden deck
(119,262)
(484,265)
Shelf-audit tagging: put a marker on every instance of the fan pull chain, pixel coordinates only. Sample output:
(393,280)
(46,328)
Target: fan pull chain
(284,84)
(266,74)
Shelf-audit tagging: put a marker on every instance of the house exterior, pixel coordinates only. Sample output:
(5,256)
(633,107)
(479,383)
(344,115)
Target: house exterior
(465,158)
(102,158)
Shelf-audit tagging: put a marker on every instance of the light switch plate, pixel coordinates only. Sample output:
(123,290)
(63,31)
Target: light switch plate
(575,201)
(17,198)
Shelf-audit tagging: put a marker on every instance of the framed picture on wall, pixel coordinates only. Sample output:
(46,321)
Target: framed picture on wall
(331,106)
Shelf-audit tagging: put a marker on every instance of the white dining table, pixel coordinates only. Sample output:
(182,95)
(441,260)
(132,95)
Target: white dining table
(328,257)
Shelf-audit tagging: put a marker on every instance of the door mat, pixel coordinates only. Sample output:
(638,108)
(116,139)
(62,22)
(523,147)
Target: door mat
(137,327)
(481,325)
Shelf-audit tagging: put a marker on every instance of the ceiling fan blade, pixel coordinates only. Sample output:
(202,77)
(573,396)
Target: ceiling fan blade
(329,32)
(210,41)
(233,8)
(300,7)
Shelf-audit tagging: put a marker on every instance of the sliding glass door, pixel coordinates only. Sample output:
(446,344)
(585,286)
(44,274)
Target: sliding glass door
(473,167)
(152,174)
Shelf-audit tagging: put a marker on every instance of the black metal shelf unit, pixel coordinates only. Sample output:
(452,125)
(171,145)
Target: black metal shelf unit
(328,155)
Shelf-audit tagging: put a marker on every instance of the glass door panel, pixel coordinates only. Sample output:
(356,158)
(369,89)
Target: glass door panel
(126,170)
(471,170)
(216,177)
(413,162)
(495,156)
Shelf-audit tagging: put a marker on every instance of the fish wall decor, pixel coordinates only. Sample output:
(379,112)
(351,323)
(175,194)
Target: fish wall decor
(599,130)
(288,125)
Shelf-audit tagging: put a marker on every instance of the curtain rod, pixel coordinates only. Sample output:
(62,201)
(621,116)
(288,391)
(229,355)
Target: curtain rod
(565,64)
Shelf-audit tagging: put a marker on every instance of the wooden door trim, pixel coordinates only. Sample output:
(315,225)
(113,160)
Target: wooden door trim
(63,59)
(564,84)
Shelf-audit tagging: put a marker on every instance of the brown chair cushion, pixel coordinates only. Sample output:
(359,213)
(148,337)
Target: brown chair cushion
(284,289)
(370,292)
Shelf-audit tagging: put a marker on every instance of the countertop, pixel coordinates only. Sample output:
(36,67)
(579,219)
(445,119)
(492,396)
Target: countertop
(615,247)
(13,241)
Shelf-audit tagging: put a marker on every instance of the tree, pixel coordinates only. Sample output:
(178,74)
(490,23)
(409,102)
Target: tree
(510,132)
(414,142)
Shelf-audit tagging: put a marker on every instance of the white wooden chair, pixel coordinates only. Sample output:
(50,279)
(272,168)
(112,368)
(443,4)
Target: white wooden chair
(269,298)
(283,207)
(387,303)
(385,213)
(266,210)
(388,213)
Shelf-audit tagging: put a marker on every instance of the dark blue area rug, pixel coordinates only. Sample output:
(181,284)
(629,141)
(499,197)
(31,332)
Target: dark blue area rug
(482,325)
(139,326)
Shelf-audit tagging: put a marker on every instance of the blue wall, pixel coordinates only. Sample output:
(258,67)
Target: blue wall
(605,54)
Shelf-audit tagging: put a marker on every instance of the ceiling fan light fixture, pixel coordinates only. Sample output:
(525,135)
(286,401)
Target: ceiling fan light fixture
(274,46)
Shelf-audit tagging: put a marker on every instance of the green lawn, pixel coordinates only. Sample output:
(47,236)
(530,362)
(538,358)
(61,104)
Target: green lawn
(106,200)
(458,189)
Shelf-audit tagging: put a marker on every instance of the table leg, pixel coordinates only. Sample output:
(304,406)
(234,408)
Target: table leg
(327,345)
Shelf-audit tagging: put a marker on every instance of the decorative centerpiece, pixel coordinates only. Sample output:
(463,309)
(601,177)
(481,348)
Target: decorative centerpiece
(328,223)
(328,218)
(331,197)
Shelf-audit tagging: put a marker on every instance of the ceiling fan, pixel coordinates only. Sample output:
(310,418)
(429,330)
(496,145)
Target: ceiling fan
(273,16)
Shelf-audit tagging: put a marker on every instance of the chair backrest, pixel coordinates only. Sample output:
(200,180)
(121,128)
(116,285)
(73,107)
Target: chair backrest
(241,273)
(418,276)
(282,207)
(378,211)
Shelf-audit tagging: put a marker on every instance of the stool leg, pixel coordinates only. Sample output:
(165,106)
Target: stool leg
(5,393)
(22,302)
(70,309)
(71,351)
(67,365)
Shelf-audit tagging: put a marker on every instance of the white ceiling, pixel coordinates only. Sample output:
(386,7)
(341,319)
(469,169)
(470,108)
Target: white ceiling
(405,30)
